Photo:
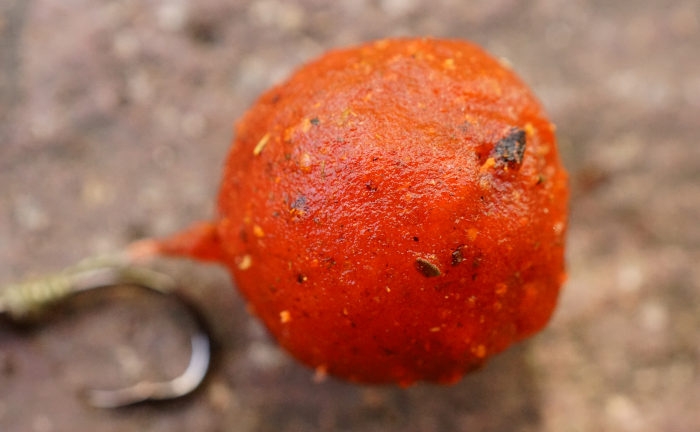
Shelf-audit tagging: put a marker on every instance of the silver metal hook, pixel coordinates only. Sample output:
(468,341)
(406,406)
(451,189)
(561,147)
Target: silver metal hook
(26,300)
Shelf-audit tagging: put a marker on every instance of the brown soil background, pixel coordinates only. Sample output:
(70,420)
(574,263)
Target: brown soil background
(115,117)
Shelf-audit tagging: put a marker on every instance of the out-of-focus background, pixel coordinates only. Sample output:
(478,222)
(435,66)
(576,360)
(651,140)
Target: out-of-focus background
(114,120)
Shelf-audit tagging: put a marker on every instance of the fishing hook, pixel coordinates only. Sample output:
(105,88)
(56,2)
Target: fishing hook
(26,300)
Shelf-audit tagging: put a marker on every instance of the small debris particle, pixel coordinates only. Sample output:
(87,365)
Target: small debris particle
(305,162)
(427,268)
(345,116)
(490,162)
(245,262)
(261,144)
(301,278)
(306,125)
(505,62)
(288,134)
(258,231)
(457,256)
(530,129)
(285,316)
(320,373)
(315,121)
(501,289)
(299,206)
(243,234)
(559,227)
(511,148)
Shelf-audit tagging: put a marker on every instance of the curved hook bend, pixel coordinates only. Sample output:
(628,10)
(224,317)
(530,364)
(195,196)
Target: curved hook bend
(146,390)
(26,300)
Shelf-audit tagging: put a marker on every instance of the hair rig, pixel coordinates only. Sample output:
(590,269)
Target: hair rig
(29,300)
(394,212)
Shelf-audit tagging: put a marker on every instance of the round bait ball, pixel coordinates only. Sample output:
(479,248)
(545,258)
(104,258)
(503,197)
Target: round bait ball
(395,211)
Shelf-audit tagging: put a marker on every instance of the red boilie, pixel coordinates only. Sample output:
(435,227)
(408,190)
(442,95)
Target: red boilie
(393,212)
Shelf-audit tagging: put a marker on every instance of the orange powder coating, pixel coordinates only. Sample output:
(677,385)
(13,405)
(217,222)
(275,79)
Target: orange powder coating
(393,212)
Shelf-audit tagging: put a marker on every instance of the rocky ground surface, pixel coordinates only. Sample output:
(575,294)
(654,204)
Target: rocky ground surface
(115,117)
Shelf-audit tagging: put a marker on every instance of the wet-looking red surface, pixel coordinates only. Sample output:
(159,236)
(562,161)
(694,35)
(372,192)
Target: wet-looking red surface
(393,212)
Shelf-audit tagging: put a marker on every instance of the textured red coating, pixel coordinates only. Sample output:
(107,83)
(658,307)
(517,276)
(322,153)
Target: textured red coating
(393,212)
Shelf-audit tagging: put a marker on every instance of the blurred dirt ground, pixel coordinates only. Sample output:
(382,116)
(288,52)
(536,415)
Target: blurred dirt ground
(115,117)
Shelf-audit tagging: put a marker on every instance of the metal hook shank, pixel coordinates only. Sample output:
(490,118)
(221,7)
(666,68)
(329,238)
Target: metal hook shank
(26,300)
